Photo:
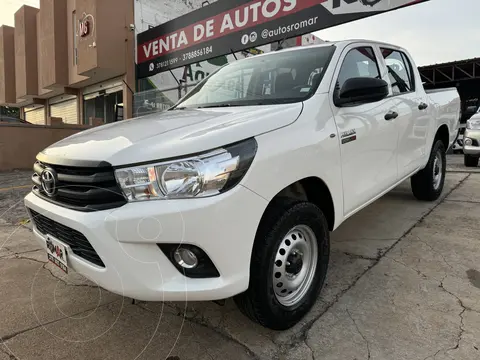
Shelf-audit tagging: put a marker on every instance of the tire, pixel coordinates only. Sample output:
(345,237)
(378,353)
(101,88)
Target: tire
(426,186)
(471,161)
(281,228)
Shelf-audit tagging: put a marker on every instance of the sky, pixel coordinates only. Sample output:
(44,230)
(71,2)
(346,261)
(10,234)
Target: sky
(434,32)
(9,7)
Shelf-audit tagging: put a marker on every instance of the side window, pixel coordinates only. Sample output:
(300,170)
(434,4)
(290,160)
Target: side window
(359,62)
(400,71)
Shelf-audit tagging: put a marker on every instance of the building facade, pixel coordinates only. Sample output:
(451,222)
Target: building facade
(74,60)
(71,60)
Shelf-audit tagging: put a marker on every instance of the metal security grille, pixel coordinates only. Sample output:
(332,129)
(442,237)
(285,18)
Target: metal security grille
(35,116)
(66,110)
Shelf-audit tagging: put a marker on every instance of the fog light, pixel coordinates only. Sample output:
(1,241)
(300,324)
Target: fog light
(190,260)
(185,258)
(468,142)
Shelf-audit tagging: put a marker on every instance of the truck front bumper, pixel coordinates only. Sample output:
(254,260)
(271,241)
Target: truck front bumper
(126,239)
(473,147)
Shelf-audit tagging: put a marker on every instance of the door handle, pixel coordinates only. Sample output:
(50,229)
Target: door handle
(422,106)
(391,115)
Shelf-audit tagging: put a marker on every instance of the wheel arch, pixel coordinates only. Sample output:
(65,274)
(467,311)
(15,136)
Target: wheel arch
(443,134)
(314,190)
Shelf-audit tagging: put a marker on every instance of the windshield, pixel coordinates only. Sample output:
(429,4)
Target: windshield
(283,77)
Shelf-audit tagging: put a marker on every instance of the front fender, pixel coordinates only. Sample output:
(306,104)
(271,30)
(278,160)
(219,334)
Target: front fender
(301,150)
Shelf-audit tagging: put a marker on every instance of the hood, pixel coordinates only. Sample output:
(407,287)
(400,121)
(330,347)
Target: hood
(171,134)
(475,116)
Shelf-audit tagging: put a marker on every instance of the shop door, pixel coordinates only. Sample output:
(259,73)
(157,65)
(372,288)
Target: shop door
(104,107)
(35,116)
(101,101)
(66,110)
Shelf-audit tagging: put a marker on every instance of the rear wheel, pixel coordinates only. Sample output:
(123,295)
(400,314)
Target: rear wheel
(471,161)
(289,264)
(428,183)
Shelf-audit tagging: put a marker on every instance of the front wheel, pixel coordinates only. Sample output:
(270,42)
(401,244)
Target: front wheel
(471,161)
(428,183)
(289,264)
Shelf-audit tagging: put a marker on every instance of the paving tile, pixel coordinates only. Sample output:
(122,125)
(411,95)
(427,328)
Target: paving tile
(126,332)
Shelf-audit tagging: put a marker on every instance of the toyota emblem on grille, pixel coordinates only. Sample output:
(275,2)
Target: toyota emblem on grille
(49,182)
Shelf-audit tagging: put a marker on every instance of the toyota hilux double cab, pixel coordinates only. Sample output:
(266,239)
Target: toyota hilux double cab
(233,192)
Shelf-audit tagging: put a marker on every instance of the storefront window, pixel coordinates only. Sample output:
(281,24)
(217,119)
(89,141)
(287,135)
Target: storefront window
(104,107)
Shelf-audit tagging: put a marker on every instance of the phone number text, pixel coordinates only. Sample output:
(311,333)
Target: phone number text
(199,52)
(185,57)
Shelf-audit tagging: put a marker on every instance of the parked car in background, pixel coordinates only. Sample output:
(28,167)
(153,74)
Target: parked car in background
(234,191)
(12,120)
(470,110)
(471,141)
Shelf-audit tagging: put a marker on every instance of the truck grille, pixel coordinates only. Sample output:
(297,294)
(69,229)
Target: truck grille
(73,238)
(79,188)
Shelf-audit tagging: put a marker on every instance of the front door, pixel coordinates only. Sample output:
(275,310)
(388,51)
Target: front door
(368,141)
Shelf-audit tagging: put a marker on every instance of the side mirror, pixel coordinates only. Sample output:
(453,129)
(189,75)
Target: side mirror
(362,90)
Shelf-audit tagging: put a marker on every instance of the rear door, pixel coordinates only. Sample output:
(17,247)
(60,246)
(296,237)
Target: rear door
(368,141)
(414,116)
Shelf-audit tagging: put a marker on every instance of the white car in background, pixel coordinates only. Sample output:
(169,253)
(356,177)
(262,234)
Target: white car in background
(471,141)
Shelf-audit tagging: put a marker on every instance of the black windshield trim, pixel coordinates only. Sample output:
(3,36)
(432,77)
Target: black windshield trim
(243,103)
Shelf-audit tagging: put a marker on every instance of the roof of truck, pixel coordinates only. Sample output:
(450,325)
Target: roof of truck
(348,42)
(339,43)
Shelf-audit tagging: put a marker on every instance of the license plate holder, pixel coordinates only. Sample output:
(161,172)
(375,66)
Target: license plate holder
(57,253)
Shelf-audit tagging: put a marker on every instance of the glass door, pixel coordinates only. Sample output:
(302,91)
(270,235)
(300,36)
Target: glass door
(104,108)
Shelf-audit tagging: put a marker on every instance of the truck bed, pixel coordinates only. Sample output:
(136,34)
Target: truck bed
(433,91)
(447,109)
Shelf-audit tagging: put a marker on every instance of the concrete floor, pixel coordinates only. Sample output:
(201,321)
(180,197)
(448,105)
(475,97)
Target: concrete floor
(404,283)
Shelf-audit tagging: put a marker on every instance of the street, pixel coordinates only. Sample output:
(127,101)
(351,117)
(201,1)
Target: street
(403,283)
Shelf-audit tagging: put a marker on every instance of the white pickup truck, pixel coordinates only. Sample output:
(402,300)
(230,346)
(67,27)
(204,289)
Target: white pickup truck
(234,191)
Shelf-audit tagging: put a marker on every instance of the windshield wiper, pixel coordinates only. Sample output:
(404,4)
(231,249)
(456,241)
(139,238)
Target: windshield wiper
(214,106)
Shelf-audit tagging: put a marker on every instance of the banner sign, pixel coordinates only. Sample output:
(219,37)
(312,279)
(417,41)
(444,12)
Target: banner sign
(228,26)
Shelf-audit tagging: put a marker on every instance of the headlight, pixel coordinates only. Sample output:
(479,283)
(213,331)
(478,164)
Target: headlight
(473,124)
(203,175)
